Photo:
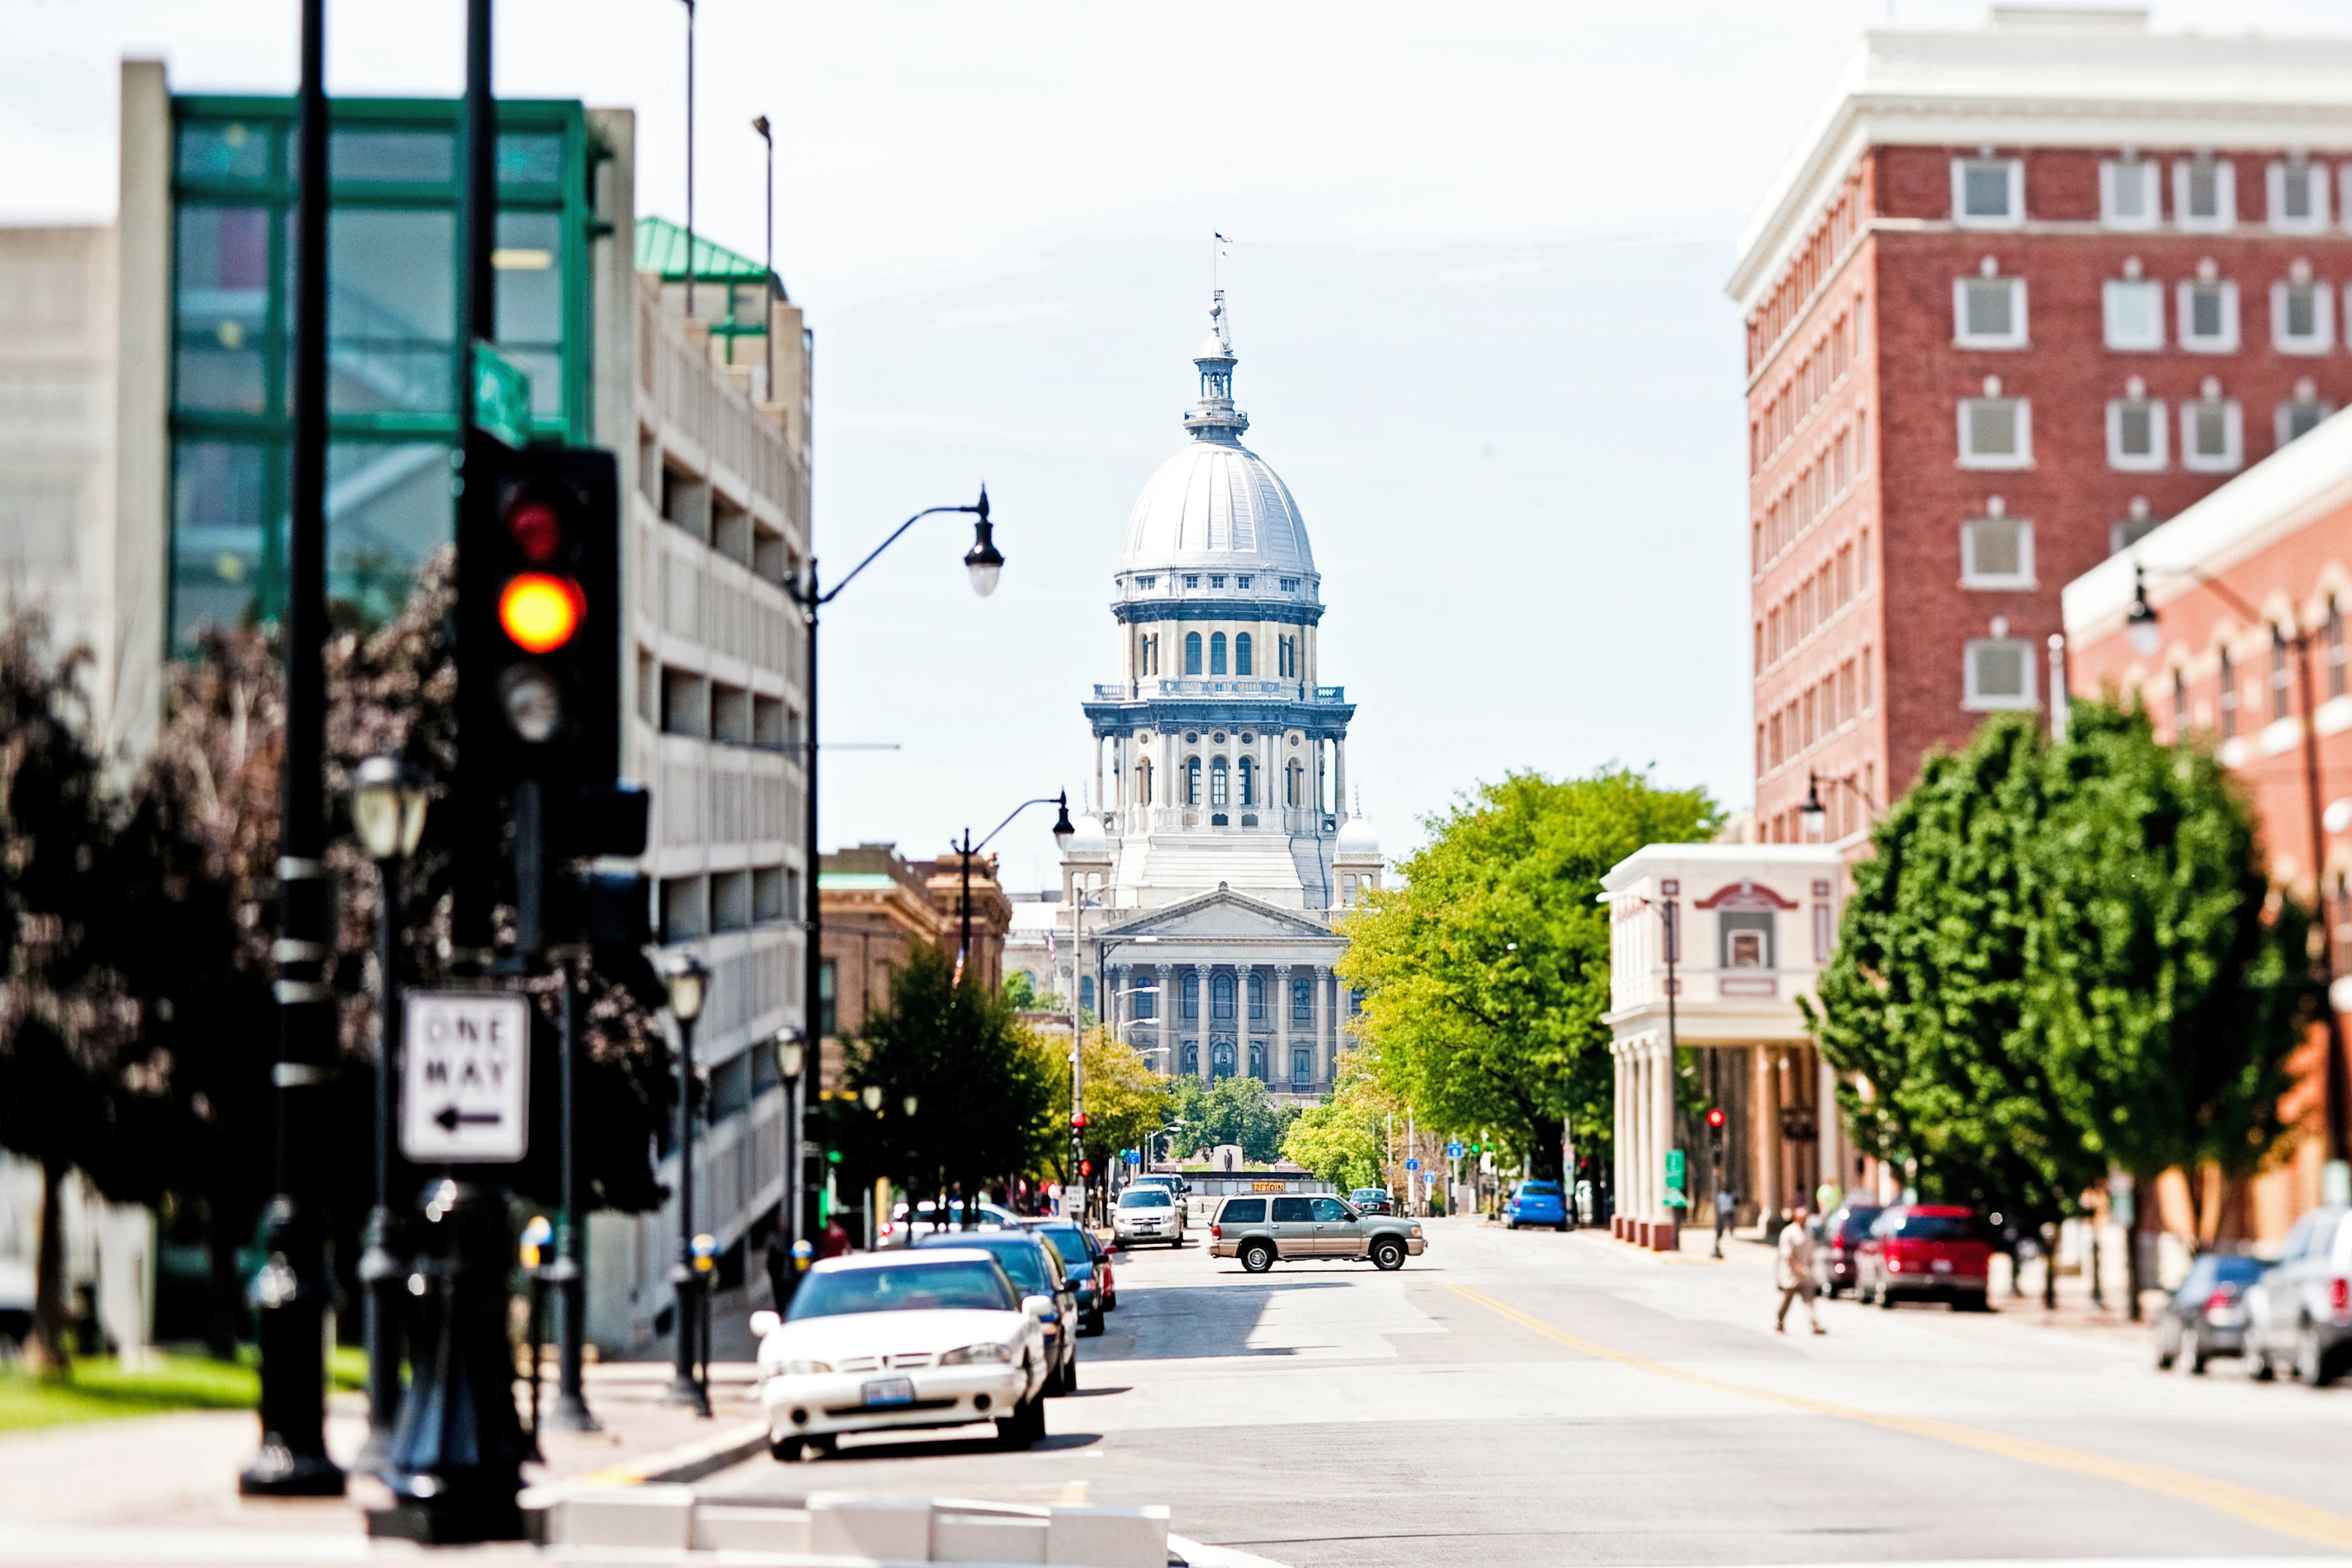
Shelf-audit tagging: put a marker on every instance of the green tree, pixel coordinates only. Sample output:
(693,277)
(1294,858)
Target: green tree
(1485,974)
(2058,962)
(1236,1110)
(1345,1138)
(1126,1102)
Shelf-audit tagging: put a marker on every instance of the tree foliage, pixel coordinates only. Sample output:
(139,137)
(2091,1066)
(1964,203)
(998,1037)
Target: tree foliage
(1344,1140)
(1126,1102)
(1484,976)
(2058,961)
(1236,1110)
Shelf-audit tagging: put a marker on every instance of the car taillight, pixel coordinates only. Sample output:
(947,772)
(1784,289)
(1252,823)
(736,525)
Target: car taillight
(1216,1232)
(2340,1295)
(2221,1300)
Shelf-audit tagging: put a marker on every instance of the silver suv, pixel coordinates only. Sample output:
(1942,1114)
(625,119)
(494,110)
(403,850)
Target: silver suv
(1258,1231)
(2299,1313)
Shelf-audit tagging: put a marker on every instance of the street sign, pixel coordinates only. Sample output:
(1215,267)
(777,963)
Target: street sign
(464,1078)
(1454,1150)
(501,396)
(1133,1158)
(1674,1167)
(1413,1164)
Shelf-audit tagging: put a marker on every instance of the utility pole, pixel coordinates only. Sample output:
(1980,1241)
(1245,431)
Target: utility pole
(292,1289)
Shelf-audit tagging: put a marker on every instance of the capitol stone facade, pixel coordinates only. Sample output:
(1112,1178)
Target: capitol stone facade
(1207,885)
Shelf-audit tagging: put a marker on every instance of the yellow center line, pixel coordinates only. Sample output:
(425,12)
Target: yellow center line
(2266,1509)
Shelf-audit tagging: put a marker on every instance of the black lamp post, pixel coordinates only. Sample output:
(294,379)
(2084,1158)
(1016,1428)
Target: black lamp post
(568,1275)
(768,279)
(2147,638)
(688,980)
(791,1053)
(388,803)
(1062,828)
(985,565)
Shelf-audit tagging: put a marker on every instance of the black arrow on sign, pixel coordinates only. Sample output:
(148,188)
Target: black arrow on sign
(451,1119)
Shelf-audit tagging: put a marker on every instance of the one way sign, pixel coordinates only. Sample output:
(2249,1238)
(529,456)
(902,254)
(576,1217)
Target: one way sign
(464,1078)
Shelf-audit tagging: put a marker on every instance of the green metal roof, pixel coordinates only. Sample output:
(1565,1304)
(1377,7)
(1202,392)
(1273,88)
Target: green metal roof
(661,248)
(857,881)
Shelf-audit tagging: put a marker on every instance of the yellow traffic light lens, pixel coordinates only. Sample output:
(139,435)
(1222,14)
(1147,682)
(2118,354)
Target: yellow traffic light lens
(541,611)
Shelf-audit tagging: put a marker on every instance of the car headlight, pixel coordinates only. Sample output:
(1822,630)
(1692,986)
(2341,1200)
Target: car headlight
(973,1354)
(797,1368)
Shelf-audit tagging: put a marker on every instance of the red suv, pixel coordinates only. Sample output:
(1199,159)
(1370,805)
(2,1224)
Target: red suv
(1924,1251)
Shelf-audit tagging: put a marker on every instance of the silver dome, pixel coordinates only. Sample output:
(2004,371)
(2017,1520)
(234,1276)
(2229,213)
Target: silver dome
(1216,506)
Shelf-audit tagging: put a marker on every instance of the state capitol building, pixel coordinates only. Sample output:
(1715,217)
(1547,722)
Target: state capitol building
(1205,888)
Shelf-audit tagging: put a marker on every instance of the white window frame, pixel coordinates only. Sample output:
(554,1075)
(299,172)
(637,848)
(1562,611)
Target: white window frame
(2013,218)
(2227,344)
(2013,338)
(2225,198)
(2022,458)
(1977,701)
(2276,181)
(2278,418)
(2107,296)
(2127,462)
(2233,427)
(2149,171)
(1970,577)
(2323,338)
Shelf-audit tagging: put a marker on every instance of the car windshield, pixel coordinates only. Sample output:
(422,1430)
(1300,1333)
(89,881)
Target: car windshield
(1937,1228)
(1069,1245)
(2229,1268)
(1856,1225)
(1023,1258)
(1538,1189)
(1143,1199)
(969,1284)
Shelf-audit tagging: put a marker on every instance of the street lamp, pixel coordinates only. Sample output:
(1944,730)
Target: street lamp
(871,1097)
(2146,635)
(388,802)
(689,981)
(1062,831)
(985,564)
(1813,817)
(768,279)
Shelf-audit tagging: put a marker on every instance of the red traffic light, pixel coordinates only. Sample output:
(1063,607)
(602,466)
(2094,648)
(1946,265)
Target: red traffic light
(536,531)
(1714,1118)
(1078,1121)
(1085,1167)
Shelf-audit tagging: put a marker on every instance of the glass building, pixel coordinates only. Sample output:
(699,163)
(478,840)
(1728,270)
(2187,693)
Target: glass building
(391,333)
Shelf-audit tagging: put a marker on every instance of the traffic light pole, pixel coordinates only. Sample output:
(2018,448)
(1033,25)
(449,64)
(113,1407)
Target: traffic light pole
(293,1288)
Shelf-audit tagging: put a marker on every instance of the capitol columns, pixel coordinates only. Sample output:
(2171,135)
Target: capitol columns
(1208,1042)
(1278,1069)
(1327,1054)
(1170,1011)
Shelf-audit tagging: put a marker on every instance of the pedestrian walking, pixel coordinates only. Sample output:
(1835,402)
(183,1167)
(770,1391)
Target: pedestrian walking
(1726,1205)
(1793,1271)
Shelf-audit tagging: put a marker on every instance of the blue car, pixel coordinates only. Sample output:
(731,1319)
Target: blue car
(1536,1202)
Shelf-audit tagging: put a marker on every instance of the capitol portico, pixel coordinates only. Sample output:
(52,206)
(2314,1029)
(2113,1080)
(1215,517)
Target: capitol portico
(1207,884)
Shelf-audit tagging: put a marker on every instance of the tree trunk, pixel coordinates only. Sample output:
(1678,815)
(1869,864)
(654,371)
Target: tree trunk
(2050,1267)
(45,1352)
(221,1317)
(2139,1239)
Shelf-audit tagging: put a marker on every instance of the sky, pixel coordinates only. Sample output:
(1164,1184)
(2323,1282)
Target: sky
(1476,290)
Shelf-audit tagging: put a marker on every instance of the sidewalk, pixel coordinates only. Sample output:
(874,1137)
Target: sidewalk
(176,1474)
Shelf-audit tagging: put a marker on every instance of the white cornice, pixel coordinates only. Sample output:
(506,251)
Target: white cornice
(2056,89)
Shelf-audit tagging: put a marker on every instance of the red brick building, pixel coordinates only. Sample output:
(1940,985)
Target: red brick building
(2276,541)
(2016,296)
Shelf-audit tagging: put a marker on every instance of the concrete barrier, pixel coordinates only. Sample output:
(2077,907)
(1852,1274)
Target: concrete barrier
(773,1532)
(659,1516)
(1103,1537)
(990,1538)
(891,1530)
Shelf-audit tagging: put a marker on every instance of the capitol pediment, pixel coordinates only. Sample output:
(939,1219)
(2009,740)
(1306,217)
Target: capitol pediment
(1222,916)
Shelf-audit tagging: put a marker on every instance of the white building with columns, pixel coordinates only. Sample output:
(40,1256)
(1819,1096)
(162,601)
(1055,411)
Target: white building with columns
(1755,923)
(1206,887)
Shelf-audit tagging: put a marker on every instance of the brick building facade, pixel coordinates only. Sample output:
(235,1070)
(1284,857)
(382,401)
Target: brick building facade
(877,908)
(2017,296)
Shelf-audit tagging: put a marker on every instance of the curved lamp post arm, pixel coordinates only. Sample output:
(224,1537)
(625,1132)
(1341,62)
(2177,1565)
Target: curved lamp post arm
(978,508)
(1062,800)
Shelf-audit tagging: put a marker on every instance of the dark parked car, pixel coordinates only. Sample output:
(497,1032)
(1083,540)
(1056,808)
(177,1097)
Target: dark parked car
(1088,1265)
(2299,1313)
(1036,1269)
(1925,1252)
(1837,1243)
(2207,1316)
(1372,1200)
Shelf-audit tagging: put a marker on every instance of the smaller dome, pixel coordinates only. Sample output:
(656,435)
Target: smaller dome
(1087,839)
(1212,347)
(1356,837)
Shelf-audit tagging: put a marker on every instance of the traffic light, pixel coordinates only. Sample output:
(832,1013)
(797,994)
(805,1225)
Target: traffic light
(1086,1168)
(1715,1118)
(1078,1121)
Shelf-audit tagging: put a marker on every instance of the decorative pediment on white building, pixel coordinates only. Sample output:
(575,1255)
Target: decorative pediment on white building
(1223,915)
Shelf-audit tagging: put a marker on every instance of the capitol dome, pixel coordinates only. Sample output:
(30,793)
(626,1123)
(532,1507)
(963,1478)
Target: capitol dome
(1357,838)
(1216,506)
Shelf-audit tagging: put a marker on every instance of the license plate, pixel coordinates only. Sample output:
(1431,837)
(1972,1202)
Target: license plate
(890,1391)
(1943,1266)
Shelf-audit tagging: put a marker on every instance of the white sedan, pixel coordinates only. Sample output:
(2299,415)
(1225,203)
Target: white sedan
(882,1341)
(1148,1213)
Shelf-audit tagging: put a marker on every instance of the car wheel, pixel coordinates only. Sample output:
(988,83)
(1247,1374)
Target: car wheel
(1974,1302)
(1510,1224)
(1091,1324)
(1023,1427)
(1388,1253)
(787,1450)
(1885,1297)
(1257,1257)
(1561,1227)
(2195,1357)
(2313,1365)
(2259,1367)
(2167,1344)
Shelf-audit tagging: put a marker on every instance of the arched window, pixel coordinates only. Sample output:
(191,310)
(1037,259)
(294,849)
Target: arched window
(1217,783)
(1220,997)
(1192,781)
(1087,992)
(1347,890)
(1241,653)
(1220,1060)
(1192,990)
(1217,653)
(1293,771)
(1249,781)
(1143,782)
(1191,1060)
(1191,653)
(1256,997)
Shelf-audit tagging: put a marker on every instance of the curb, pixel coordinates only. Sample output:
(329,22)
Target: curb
(687,1462)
